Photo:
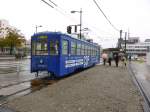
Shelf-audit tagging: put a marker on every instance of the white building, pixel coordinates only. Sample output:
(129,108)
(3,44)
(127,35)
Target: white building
(139,48)
(3,25)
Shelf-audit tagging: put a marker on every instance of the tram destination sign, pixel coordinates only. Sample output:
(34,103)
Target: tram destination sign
(42,37)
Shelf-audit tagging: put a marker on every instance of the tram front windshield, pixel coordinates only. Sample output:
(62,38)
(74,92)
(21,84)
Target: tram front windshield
(39,47)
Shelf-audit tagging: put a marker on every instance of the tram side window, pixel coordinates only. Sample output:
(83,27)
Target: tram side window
(82,49)
(73,48)
(54,45)
(78,49)
(64,47)
(92,51)
(86,50)
(89,50)
(41,47)
(96,51)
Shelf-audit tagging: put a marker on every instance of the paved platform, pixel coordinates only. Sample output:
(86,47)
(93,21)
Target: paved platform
(98,89)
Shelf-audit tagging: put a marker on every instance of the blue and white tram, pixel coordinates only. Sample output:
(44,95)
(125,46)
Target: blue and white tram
(61,54)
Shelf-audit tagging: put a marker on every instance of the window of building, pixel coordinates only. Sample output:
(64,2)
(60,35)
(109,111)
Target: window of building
(64,47)
(54,45)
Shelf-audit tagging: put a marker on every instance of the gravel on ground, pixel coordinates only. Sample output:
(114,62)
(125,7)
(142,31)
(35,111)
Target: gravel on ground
(98,89)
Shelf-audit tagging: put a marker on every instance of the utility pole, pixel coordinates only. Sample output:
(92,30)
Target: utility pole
(80,22)
(36,27)
(119,45)
(125,42)
(120,34)
(128,34)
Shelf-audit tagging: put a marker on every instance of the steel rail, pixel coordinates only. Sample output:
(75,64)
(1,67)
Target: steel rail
(141,88)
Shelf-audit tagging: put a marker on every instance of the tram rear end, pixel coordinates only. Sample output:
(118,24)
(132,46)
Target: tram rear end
(39,53)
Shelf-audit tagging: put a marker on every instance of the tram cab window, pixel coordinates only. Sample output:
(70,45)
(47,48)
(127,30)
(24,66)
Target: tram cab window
(33,47)
(64,47)
(54,47)
(39,47)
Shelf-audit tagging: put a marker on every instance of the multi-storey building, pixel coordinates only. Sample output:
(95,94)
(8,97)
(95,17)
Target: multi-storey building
(135,47)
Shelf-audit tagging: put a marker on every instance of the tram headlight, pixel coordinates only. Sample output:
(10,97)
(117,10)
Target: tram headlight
(41,61)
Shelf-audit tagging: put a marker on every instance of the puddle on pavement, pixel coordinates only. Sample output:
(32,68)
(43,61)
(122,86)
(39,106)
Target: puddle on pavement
(25,88)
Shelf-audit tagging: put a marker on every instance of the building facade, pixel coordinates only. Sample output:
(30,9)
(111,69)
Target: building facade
(135,47)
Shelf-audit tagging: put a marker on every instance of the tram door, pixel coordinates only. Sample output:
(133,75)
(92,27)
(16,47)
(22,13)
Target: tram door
(53,60)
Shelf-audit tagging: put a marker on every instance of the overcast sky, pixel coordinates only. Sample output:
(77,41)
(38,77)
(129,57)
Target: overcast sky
(132,15)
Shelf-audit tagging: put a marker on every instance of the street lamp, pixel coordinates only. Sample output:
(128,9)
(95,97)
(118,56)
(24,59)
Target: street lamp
(36,27)
(80,19)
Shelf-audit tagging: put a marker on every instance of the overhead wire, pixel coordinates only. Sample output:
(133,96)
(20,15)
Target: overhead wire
(58,9)
(105,15)
(64,13)
(53,3)
(47,3)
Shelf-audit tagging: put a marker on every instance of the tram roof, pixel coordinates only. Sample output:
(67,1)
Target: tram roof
(60,33)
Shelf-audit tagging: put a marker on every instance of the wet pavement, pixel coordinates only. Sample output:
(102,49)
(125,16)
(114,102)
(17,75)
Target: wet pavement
(3,109)
(12,89)
(15,77)
(142,72)
(15,71)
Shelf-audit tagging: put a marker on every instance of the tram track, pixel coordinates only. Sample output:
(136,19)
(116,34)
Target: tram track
(7,98)
(39,84)
(142,90)
(13,84)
